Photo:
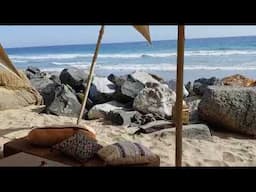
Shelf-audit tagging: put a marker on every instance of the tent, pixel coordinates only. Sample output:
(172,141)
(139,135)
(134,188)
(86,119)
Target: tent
(144,30)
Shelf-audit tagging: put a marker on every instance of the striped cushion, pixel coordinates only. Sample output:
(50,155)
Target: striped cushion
(127,153)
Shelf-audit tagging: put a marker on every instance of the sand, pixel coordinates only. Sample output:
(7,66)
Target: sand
(222,149)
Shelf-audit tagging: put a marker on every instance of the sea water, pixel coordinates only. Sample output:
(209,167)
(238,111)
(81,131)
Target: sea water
(203,57)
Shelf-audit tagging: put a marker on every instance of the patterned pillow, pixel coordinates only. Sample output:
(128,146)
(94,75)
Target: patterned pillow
(78,146)
(128,153)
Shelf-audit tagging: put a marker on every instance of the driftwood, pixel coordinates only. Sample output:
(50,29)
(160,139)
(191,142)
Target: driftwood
(155,126)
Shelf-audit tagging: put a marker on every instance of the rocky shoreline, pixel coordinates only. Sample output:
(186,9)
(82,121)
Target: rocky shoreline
(145,100)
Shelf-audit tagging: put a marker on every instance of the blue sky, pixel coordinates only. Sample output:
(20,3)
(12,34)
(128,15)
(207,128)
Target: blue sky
(24,36)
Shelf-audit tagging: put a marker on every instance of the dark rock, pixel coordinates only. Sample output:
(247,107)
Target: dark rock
(102,90)
(33,72)
(131,88)
(118,95)
(189,88)
(230,108)
(136,81)
(89,103)
(156,99)
(117,80)
(46,88)
(121,117)
(158,78)
(200,85)
(140,119)
(76,78)
(65,102)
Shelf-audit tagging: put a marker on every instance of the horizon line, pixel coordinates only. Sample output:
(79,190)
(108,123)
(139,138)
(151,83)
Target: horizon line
(193,38)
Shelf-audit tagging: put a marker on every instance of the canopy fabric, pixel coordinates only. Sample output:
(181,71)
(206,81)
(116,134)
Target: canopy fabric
(5,63)
(144,30)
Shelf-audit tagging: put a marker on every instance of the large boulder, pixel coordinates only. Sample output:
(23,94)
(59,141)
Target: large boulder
(200,85)
(46,88)
(172,86)
(101,90)
(65,102)
(76,78)
(230,108)
(118,95)
(156,99)
(101,110)
(136,81)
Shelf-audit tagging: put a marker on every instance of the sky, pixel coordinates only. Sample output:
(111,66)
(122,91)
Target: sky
(29,36)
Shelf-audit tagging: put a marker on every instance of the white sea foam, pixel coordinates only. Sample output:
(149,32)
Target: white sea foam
(137,55)
(164,67)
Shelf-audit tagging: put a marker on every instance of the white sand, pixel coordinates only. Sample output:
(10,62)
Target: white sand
(221,150)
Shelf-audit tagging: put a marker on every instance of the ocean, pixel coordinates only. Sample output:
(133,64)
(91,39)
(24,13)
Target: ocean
(205,57)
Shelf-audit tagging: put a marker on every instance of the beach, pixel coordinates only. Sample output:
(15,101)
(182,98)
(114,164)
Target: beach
(134,85)
(224,149)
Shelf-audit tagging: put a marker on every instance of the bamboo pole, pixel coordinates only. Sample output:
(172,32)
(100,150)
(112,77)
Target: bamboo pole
(89,81)
(179,96)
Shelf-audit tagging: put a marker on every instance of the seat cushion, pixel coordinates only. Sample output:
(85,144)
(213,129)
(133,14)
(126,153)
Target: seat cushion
(127,153)
(79,146)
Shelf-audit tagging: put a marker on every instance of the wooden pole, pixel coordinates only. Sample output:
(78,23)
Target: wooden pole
(89,81)
(179,95)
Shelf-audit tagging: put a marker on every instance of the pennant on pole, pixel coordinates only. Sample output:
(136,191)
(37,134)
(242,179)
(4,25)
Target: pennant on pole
(144,30)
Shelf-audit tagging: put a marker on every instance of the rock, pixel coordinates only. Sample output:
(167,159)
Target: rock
(154,126)
(192,131)
(89,103)
(121,117)
(172,86)
(230,108)
(136,81)
(141,119)
(192,103)
(156,99)
(238,80)
(189,88)
(101,90)
(144,77)
(101,110)
(118,81)
(118,95)
(46,88)
(158,78)
(131,88)
(65,102)
(33,72)
(74,77)
(200,85)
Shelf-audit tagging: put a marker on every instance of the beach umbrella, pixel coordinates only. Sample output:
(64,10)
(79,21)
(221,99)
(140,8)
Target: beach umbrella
(144,30)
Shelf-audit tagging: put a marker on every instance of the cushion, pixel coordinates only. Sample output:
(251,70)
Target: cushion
(127,153)
(49,136)
(79,147)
